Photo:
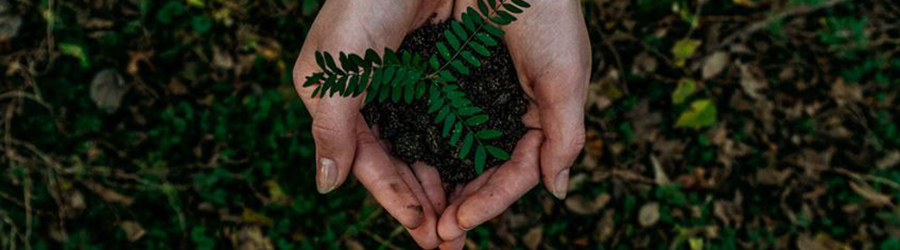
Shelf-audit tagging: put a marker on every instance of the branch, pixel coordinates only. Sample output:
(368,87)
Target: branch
(757,26)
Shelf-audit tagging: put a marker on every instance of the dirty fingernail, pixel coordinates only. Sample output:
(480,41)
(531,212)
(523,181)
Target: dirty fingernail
(327,176)
(562,184)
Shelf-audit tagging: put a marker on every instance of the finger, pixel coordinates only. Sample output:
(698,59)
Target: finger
(426,234)
(334,131)
(430,180)
(448,228)
(456,244)
(563,126)
(376,172)
(512,180)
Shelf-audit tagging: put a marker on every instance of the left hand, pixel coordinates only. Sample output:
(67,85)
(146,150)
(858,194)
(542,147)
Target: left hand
(551,51)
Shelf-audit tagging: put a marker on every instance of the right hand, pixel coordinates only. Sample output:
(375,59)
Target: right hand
(344,142)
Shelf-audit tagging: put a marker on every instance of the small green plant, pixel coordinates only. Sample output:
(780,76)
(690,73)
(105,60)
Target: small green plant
(402,77)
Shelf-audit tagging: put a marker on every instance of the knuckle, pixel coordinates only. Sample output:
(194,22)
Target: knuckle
(324,129)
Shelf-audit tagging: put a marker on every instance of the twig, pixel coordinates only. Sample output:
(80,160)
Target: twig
(757,26)
(385,243)
(867,177)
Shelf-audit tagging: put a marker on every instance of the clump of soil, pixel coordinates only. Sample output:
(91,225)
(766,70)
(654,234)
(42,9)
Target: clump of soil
(411,130)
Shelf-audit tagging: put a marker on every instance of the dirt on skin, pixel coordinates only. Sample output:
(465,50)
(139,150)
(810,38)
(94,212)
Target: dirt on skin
(414,136)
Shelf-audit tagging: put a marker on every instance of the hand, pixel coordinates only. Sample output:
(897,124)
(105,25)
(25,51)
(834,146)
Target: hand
(550,48)
(341,135)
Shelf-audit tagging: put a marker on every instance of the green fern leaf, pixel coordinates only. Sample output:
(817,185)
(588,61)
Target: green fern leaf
(460,103)
(409,91)
(457,132)
(407,58)
(448,124)
(396,93)
(435,105)
(522,3)
(512,8)
(351,86)
(477,120)
(501,20)
(363,82)
(442,49)
(442,114)
(339,86)
(384,93)
(372,57)
(488,134)
(320,60)
(446,76)
(450,88)
(460,67)
(494,30)
(327,85)
(492,4)
(468,111)
(348,65)
(329,60)
(435,64)
(313,79)
(390,57)
(377,79)
(506,16)
(482,6)
(466,146)
(451,39)
(458,29)
(480,159)
(316,91)
(480,49)
(466,55)
(487,39)
(497,152)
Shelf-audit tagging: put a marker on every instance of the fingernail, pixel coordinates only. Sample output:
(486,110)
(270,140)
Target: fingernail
(327,176)
(562,184)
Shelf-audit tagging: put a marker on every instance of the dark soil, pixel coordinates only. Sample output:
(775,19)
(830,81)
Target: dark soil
(414,136)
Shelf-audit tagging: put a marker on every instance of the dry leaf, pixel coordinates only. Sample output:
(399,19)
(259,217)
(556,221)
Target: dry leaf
(889,161)
(750,83)
(133,230)
(606,227)
(107,90)
(714,64)
(659,174)
(9,26)
(251,238)
(870,194)
(533,238)
(649,214)
(108,194)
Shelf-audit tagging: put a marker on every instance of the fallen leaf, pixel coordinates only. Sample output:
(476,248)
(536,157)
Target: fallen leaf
(890,160)
(107,90)
(684,49)
(659,174)
(9,26)
(702,113)
(649,214)
(133,230)
(108,194)
(771,176)
(251,238)
(252,217)
(714,64)
(606,227)
(686,88)
(533,238)
(874,197)
(750,83)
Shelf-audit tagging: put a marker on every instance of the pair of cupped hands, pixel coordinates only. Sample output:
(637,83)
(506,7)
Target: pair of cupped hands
(551,52)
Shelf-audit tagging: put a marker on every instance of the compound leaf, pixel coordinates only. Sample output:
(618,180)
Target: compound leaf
(488,134)
(466,146)
(480,159)
(497,152)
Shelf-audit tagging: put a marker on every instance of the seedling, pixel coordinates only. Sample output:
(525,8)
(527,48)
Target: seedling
(404,76)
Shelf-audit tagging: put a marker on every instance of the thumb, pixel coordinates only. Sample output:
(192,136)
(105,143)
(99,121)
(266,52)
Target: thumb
(334,131)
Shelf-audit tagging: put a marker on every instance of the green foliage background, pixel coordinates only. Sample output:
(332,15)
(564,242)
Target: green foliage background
(793,144)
